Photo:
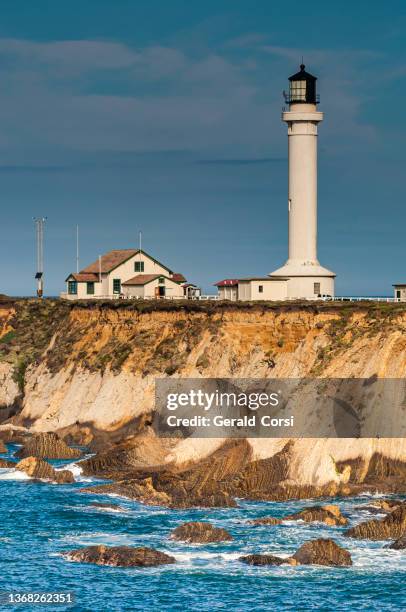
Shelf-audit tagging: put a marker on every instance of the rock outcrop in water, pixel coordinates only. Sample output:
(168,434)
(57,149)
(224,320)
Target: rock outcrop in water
(313,552)
(322,552)
(120,556)
(391,527)
(258,559)
(266,520)
(47,446)
(399,544)
(330,515)
(38,468)
(200,533)
(3,447)
(381,506)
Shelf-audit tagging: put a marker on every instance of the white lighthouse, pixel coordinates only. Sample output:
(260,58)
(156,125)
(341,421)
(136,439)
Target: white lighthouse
(306,278)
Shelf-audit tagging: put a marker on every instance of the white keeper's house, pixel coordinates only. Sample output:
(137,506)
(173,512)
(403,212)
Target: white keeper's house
(128,273)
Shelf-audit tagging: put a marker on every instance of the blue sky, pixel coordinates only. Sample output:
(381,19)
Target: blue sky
(165,117)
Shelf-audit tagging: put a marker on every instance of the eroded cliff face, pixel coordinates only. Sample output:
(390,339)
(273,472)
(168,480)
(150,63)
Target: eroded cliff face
(95,365)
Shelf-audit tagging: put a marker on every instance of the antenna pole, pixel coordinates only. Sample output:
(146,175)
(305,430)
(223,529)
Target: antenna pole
(77,248)
(39,275)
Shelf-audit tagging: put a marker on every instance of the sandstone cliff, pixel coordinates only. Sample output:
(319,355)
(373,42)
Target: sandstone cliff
(93,365)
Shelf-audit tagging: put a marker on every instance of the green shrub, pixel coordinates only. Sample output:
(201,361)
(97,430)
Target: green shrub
(9,337)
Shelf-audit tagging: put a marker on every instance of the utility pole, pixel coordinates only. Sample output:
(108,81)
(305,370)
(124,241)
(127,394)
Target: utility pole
(39,276)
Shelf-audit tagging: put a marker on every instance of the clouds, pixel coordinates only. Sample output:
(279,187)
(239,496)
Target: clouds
(96,95)
(72,97)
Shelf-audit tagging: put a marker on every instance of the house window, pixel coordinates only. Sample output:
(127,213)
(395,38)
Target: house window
(398,294)
(316,289)
(116,285)
(161,280)
(138,266)
(260,288)
(72,287)
(90,288)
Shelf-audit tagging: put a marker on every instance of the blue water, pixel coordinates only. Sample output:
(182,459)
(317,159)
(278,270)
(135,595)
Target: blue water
(39,521)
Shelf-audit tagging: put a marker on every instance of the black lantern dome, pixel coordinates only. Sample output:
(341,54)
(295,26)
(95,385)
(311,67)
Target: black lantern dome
(302,88)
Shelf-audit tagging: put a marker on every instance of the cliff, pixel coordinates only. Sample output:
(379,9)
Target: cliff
(90,368)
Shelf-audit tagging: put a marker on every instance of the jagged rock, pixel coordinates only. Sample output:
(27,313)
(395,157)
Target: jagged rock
(141,490)
(266,520)
(120,556)
(14,436)
(381,506)
(38,468)
(322,552)
(387,505)
(214,481)
(76,434)
(3,447)
(200,533)
(391,527)
(47,445)
(330,515)
(203,484)
(5,463)
(264,560)
(399,544)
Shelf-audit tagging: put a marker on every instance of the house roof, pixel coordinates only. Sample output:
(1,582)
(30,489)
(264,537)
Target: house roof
(116,257)
(143,279)
(84,277)
(399,285)
(178,277)
(227,282)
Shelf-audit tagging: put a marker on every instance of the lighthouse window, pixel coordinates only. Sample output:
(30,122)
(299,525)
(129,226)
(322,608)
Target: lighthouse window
(298,91)
(316,289)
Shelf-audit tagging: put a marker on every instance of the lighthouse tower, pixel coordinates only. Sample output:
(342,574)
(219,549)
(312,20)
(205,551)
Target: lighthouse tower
(306,277)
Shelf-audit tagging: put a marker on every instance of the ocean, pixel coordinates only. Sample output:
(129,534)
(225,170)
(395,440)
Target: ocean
(40,521)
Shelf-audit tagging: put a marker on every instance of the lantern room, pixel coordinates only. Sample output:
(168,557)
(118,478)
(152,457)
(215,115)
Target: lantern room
(302,88)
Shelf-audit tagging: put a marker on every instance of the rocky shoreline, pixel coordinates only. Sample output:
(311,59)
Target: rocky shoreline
(138,468)
(216,483)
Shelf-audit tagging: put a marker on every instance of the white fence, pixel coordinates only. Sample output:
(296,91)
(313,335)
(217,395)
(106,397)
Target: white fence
(343,298)
(361,299)
(115,296)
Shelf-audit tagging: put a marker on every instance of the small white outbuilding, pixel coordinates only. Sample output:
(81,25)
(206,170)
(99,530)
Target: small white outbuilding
(400,292)
(253,288)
